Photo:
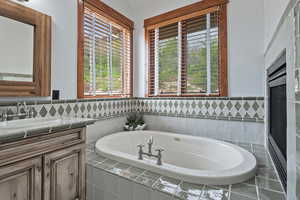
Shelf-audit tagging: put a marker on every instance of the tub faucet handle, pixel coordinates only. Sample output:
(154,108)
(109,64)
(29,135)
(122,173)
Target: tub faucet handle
(140,146)
(159,150)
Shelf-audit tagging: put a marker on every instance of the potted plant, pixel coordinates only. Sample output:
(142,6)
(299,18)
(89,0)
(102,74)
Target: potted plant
(134,122)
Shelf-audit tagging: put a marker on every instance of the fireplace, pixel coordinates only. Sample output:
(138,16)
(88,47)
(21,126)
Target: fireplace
(277,136)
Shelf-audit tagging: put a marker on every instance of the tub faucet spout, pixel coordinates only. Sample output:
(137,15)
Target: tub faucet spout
(150,143)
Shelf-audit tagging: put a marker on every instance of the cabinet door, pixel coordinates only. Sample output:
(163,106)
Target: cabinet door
(64,174)
(21,180)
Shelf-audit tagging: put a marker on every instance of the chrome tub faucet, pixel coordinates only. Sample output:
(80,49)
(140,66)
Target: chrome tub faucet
(150,143)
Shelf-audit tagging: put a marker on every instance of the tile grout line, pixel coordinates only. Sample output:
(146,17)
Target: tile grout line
(139,175)
(257,188)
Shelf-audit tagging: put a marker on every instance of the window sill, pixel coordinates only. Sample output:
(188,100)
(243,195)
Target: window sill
(185,95)
(105,96)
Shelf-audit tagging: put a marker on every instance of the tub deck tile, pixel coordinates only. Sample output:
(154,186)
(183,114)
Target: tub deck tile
(268,184)
(168,182)
(190,188)
(106,164)
(144,180)
(270,195)
(132,173)
(148,178)
(245,190)
(118,168)
(234,196)
(267,173)
(186,196)
(210,193)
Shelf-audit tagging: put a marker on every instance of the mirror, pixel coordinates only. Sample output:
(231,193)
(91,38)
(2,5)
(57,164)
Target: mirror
(16,50)
(25,51)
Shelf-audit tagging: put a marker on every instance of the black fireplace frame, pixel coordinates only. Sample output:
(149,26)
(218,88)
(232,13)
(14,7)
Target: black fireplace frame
(277,77)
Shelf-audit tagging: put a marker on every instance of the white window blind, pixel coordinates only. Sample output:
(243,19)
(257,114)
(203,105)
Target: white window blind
(107,56)
(185,57)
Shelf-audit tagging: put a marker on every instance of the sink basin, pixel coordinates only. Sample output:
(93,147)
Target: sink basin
(29,123)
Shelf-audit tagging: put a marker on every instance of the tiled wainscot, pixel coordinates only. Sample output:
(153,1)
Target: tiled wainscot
(249,109)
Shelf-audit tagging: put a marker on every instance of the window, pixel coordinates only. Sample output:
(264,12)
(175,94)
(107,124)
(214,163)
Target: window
(105,63)
(187,53)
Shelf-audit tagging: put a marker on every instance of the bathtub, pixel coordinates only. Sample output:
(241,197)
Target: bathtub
(188,158)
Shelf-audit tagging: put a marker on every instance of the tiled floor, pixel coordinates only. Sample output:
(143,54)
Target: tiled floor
(264,186)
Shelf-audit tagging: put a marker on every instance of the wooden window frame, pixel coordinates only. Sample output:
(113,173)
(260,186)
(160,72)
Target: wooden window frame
(117,18)
(190,11)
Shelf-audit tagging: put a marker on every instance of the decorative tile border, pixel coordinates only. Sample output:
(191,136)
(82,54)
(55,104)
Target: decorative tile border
(90,108)
(265,185)
(250,109)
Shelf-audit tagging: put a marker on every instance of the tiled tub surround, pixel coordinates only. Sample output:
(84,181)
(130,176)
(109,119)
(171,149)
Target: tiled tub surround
(237,131)
(110,179)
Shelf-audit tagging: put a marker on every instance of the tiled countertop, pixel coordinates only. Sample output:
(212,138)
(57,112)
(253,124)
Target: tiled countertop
(264,186)
(54,125)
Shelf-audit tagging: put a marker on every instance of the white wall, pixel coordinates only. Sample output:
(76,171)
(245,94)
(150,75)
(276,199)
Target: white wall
(245,44)
(273,10)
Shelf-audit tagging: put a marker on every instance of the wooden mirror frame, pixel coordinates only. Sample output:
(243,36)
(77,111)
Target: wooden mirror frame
(41,84)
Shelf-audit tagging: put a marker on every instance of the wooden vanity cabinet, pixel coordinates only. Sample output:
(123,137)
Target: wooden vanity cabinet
(54,171)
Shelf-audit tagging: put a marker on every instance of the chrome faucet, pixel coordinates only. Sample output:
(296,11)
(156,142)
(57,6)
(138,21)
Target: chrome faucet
(4,116)
(159,151)
(19,107)
(28,112)
(158,156)
(150,143)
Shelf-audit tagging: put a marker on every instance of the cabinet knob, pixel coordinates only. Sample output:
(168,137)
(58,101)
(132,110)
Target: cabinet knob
(38,168)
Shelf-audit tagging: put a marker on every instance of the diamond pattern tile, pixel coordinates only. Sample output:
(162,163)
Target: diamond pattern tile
(210,108)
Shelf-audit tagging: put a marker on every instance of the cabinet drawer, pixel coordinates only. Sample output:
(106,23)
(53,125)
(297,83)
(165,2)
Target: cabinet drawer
(46,143)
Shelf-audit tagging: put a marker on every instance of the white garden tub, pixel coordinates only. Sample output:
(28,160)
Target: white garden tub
(192,159)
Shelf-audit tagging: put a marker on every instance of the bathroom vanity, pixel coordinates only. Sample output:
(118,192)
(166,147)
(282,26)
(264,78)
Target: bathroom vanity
(43,162)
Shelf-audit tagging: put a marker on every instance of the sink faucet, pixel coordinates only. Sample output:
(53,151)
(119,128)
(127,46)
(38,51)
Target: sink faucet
(19,107)
(4,116)
(158,156)
(28,112)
